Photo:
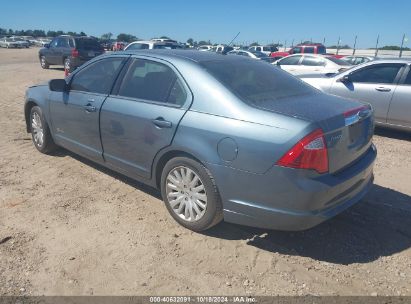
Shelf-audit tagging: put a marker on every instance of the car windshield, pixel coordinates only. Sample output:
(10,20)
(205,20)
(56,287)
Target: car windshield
(88,44)
(339,61)
(256,82)
(260,54)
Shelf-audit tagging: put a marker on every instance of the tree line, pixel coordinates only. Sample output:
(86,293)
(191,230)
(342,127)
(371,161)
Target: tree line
(37,33)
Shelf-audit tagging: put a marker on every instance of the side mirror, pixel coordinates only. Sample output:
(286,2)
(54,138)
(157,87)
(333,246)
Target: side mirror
(58,85)
(46,45)
(344,79)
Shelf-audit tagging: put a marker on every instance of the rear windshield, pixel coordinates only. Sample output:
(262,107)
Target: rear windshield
(256,82)
(88,44)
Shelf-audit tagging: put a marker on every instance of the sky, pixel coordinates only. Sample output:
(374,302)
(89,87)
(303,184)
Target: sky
(219,21)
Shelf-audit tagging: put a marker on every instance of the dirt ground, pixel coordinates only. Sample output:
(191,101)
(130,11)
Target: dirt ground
(69,227)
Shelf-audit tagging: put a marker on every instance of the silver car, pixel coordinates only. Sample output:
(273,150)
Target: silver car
(384,83)
(8,43)
(222,137)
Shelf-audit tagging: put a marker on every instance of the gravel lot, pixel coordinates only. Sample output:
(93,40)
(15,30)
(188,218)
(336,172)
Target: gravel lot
(69,227)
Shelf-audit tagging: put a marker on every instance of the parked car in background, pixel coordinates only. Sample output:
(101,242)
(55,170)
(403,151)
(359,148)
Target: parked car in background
(301,64)
(222,49)
(354,60)
(8,43)
(107,45)
(22,43)
(118,46)
(252,54)
(384,83)
(315,48)
(205,48)
(260,148)
(268,49)
(151,44)
(69,51)
(42,41)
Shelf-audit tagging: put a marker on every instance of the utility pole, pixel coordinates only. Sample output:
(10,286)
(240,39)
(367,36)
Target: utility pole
(285,45)
(324,41)
(376,45)
(355,44)
(338,44)
(292,43)
(402,44)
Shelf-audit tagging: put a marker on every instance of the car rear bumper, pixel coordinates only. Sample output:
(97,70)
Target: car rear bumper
(286,199)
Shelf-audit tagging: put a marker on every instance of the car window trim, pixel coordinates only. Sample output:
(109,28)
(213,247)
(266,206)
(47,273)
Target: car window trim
(126,57)
(396,79)
(187,89)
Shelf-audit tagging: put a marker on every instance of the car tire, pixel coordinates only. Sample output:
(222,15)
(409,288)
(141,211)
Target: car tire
(197,193)
(43,62)
(40,132)
(67,65)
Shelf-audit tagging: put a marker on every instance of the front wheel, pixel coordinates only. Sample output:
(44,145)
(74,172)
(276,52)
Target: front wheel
(190,194)
(40,132)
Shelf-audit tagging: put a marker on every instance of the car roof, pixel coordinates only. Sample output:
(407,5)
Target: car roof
(188,55)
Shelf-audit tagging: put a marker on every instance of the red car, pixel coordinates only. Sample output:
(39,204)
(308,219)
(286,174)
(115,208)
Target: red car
(314,48)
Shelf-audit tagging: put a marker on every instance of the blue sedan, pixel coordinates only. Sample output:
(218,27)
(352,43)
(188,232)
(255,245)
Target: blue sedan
(222,137)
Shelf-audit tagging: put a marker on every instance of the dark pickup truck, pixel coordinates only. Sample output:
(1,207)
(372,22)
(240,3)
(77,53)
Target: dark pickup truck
(69,51)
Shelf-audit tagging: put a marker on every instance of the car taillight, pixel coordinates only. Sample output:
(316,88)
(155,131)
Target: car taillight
(74,53)
(309,153)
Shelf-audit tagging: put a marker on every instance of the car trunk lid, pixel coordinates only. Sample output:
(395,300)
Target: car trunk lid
(348,125)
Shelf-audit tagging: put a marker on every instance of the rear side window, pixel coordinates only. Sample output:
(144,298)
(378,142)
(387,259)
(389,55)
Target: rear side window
(138,46)
(98,77)
(309,50)
(312,61)
(292,60)
(321,49)
(381,73)
(154,81)
(256,82)
(87,44)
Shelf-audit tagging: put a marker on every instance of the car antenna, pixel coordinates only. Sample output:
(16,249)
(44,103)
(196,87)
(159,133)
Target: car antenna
(234,39)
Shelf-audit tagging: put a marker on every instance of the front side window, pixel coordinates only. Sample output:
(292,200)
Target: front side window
(98,77)
(54,42)
(381,73)
(297,50)
(154,81)
(292,60)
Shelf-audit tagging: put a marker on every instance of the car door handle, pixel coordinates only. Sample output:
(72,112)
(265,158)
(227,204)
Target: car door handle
(90,108)
(162,123)
(383,89)
(91,100)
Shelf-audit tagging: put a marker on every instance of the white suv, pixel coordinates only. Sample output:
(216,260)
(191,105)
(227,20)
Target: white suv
(263,49)
(152,44)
